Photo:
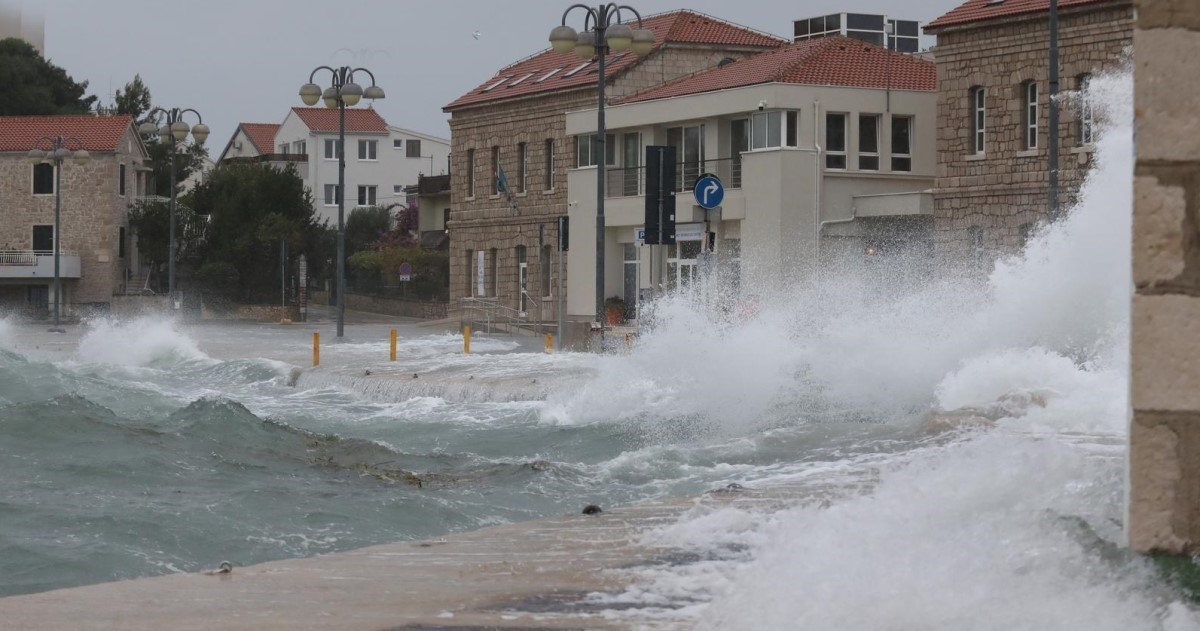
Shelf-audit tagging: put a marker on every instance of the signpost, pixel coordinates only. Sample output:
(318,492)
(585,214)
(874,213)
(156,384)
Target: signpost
(564,225)
(660,202)
(406,271)
(709,192)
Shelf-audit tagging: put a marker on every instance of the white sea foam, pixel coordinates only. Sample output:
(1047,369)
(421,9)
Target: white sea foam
(6,333)
(1012,527)
(140,342)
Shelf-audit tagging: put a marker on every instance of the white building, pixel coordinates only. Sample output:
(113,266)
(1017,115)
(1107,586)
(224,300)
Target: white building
(826,149)
(381,160)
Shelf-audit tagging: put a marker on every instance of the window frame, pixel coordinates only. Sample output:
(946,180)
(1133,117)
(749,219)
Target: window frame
(397,144)
(1086,113)
(522,167)
(412,148)
(331,195)
(495,170)
(548,158)
(978,109)
(909,121)
(1030,111)
(368,150)
(471,173)
(868,156)
(835,155)
(371,197)
(332,149)
(121,175)
(33,178)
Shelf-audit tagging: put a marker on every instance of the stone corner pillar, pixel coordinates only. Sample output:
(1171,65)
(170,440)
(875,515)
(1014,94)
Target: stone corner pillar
(1164,454)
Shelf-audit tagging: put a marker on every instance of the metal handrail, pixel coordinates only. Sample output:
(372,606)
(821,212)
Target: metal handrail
(29,257)
(631,181)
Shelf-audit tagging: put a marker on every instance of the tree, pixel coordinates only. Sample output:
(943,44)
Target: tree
(365,226)
(251,209)
(34,86)
(135,100)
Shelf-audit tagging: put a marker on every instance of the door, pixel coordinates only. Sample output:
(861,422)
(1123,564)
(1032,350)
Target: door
(681,266)
(632,143)
(631,278)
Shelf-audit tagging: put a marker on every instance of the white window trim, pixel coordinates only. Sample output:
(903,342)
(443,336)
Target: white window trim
(979,120)
(1032,111)
(325,149)
(869,154)
(368,143)
(334,201)
(911,122)
(845,142)
(369,188)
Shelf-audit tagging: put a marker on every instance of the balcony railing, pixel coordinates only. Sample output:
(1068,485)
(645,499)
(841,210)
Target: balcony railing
(631,181)
(38,264)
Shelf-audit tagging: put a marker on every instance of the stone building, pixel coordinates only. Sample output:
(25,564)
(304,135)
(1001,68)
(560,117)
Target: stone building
(993,96)
(516,122)
(1164,454)
(96,249)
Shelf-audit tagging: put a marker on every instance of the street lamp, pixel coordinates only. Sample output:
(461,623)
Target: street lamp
(342,92)
(59,148)
(603,30)
(173,131)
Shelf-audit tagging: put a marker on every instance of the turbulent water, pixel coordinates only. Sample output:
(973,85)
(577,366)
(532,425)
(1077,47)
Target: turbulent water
(967,441)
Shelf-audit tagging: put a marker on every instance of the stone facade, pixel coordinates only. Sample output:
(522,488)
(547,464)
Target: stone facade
(1164,468)
(93,216)
(988,202)
(485,222)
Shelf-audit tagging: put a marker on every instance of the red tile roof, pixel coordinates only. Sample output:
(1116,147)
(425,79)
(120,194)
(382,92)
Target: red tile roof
(982,10)
(835,60)
(358,119)
(262,135)
(98,133)
(679,27)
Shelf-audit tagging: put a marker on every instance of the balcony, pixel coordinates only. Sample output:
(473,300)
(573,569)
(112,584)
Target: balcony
(38,264)
(631,181)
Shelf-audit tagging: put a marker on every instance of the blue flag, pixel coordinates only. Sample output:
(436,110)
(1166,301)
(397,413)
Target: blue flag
(502,188)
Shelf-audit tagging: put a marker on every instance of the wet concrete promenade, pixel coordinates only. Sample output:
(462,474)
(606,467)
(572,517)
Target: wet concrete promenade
(532,575)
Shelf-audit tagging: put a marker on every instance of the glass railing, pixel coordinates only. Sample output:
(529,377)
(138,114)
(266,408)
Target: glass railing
(631,181)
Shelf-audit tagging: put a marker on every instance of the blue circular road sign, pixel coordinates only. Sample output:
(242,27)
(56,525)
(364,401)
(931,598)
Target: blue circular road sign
(709,192)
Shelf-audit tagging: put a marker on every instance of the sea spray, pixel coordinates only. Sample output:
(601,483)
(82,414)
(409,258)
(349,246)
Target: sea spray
(139,342)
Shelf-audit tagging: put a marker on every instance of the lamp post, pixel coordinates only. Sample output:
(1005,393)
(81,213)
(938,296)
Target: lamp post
(58,149)
(603,30)
(342,92)
(173,131)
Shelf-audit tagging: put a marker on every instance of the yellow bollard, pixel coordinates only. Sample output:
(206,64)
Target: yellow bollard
(393,336)
(549,343)
(466,340)
(316,349)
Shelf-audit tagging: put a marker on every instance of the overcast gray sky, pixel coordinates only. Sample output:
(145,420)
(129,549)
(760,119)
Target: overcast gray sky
(244,60)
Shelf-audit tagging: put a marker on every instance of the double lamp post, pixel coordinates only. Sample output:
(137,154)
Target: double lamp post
(57,149)
(342,92)
(604,31)
(174,130)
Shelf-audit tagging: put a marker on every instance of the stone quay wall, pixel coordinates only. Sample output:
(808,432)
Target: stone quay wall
(1164,491)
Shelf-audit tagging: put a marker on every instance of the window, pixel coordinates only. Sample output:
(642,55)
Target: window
(902,143)
(1029,91)
(445,218)
(544,262)
(774,129)
(494,269)
(333,149)
(397,143)
(689,154)
(1087,117)
(495,170)
(835,141)
(397,190)
(630,278)
(739,142)
(121,242)
(549,174)
(331,194)
(522,280)
(586,151)
(367,149)
(121,180)
(470,273)
(301,147)
(578,68)
(470,173)
(791,128)
(522,166)
(518,81)
(495,85)
(366,195)
(414,149)
(43,238)
(978,118)
(628,178)
(43,179)
(975,234)
(868,142)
